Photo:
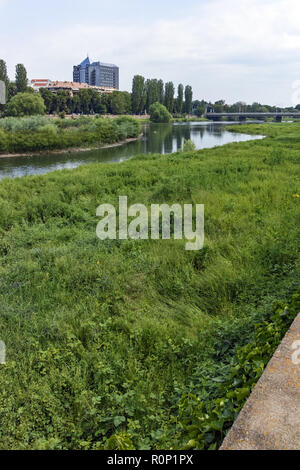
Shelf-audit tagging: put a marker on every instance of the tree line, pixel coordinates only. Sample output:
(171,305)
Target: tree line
(144,94)
(220,106)
(147,92)
(20,85)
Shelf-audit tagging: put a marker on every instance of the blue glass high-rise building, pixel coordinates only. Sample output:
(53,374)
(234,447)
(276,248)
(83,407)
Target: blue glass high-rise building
(97,74)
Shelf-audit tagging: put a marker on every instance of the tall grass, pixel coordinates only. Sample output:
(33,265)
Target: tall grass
(32,123)
(105,338)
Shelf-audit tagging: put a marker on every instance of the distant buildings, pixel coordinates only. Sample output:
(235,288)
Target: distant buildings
(71,87)
(38,83)
(97,74)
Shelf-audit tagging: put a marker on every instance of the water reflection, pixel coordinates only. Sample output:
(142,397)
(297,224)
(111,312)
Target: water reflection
(158,138)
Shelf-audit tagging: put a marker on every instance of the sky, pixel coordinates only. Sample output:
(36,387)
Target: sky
(237,50)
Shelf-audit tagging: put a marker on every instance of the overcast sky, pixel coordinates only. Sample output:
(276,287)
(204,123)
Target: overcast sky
(245,50)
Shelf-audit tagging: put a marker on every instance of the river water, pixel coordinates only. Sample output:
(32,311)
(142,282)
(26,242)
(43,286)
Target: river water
(157,138)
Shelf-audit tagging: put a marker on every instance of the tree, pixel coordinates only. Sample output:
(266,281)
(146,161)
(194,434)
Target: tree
(180,99)
(62,97)
(21,78)
(26,104)
(188,99)
(12,90)
(119,102)
(138,94)
(153,93)
(219,106)
(85,97)
(200,110)
(159,113)
(169,96)
(161,91)
(48,99)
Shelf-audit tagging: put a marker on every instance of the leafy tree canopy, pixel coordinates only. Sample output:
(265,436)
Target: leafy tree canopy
(159,113)
(25,104)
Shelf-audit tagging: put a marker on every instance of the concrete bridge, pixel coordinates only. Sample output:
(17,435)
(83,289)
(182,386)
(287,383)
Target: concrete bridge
(243,116)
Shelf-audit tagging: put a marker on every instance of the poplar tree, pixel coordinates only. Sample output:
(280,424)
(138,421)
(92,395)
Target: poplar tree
(138,94)
(188,99)
(169,96)
(21,78)
(180,98)
(161,91)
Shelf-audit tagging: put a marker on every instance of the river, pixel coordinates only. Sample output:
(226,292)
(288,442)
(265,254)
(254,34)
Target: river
(157,138)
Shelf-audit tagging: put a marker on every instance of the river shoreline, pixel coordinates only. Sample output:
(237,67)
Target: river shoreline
(71,150)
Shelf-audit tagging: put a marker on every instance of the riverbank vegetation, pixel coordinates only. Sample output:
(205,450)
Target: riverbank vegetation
(159,113)
(141,344)
(38,133)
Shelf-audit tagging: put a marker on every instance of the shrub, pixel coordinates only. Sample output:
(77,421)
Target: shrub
(3,141)
(32,123)
(159,113)
(189,146)
(26,104)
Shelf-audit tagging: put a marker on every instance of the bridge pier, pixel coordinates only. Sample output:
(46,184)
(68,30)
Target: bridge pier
(242,118)
(278,119)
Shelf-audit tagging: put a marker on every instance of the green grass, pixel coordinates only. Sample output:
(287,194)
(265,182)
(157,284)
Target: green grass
(190,119)
(105,338)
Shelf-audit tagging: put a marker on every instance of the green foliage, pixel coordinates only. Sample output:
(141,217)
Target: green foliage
(41,133)
(25,104)
(21,79)
(180,99)
(159,113)
(188,99)
(12,90)
(125,344)
(119,102)
(205,423)
(50,100)
(169,96)
(153,93)
(200,110)
(32,123)
(189,146)
(139,97)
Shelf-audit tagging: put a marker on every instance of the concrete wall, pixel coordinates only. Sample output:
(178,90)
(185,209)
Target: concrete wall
(270,419)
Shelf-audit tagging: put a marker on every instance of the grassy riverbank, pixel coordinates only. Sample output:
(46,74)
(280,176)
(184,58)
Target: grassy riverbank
(127,339)
(33,134)
(190,119)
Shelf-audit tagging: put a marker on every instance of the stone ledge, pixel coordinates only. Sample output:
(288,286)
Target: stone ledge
(270,420)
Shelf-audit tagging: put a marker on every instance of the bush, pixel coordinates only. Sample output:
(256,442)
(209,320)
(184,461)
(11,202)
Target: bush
(189,146)
(3,141)
(159,113)
(33,123)
(25,104)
